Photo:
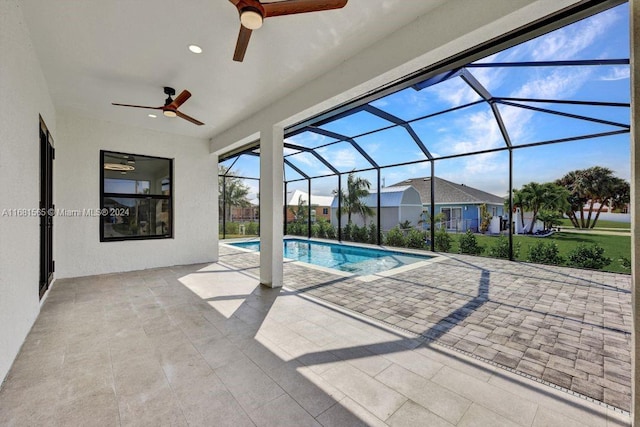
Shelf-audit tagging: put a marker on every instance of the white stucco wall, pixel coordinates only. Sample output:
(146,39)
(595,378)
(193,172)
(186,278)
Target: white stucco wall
(78,249)
(24,96)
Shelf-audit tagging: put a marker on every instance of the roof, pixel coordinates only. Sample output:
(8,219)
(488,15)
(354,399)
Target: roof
(449,192)
(389,197)
(315,200)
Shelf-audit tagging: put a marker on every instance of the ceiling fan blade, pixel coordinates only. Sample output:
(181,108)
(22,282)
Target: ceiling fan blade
(242,44)
(191,119)
(184,95)
(300,6)
(137,106)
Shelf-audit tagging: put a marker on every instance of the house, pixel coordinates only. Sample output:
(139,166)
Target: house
(397,205)
(64,63)
(320,205)
(459,203)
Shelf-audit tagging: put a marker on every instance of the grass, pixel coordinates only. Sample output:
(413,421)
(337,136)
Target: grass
(236,236)
(622,226)
(615,247)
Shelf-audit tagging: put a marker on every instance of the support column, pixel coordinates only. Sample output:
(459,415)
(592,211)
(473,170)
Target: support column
(634,12)
(271,206)
(216,212)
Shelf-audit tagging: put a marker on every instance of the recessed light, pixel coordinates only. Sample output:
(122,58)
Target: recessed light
(195,48)
(153,116)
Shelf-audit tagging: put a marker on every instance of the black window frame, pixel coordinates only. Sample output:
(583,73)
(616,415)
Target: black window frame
(104,195)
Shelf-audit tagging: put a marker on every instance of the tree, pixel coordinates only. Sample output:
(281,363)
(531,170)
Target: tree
(485,218)
(535,197)
(517,203)
(590,186)
(351,201)
(299,212)
(232,190)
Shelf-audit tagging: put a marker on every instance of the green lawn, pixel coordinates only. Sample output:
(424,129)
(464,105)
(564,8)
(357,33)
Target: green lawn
(601,224)
(615,247)
(237,236)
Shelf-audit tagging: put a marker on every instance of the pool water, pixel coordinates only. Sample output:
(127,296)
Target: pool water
(351,259)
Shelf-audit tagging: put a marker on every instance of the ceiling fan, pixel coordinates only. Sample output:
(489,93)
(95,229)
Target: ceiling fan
(253,12)
(170,107)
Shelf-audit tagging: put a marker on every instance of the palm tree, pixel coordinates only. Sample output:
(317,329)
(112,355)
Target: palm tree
(573,182)
(518,202)
(351,201)
(593,185)
(535,197)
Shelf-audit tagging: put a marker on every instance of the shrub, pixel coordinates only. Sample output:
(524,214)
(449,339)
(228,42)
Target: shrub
(501,248)
(545,253)
(395,237)
(231,228)
(330,231)
(297,228)
(323,229)
(253,228)
(625,263)
(315,230)
(373,234)
(360,234)
(415,239)
(442,240)
(469,244)
(583,256)
(347,232)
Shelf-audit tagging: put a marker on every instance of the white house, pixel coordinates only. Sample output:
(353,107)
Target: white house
(397,205)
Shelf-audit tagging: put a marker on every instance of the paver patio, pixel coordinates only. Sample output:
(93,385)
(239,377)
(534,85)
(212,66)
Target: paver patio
(564,326)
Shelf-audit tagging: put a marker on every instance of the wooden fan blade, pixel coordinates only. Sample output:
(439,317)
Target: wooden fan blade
(184,95)
(191,119)
(137,106)
(235,2)
(242,44)
(300,6)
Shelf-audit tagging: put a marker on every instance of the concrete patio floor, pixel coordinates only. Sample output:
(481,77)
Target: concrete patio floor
(207,345)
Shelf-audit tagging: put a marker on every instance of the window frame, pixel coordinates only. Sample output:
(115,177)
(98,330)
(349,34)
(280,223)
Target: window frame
(104,195)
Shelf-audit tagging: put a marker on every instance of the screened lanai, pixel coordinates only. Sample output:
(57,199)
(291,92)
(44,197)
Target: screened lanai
(531,112)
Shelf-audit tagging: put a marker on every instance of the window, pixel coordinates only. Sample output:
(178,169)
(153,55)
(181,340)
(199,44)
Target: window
(325,211)
(135,197)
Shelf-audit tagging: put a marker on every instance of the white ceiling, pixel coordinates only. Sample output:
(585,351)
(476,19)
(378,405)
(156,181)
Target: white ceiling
(94,52)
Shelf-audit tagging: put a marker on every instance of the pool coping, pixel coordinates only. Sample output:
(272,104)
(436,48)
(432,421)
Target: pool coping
(363,278)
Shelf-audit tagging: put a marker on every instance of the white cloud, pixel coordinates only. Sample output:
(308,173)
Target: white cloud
(568,42)
(616,73)
(342,159)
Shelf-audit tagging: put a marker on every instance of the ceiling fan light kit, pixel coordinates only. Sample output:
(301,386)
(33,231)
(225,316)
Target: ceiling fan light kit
(253,13)
(251,18)
(170,107)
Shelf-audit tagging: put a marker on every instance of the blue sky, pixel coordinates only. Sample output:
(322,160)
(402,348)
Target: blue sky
(603,36)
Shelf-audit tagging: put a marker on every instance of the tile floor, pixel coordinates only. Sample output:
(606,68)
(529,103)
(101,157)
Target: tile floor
(207,345)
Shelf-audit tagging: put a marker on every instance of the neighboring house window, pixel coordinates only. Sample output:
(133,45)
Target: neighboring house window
(135,197)
(325,211)
(494,211)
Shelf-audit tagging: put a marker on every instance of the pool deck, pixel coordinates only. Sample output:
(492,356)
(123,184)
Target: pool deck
(566,327)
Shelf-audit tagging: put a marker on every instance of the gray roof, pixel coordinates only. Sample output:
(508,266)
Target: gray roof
(449,192)
(389,197)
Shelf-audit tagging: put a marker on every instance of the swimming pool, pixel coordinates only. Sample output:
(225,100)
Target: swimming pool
(351,259)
